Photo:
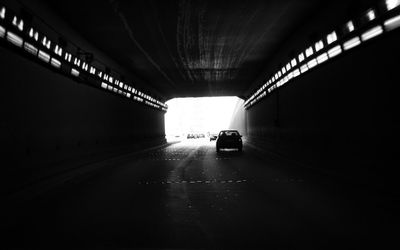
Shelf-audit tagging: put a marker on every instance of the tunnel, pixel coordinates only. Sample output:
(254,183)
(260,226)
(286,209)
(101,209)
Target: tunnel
(87,88)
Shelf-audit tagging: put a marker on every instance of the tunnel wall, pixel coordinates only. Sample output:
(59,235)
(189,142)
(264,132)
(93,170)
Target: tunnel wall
(48,120)
(238,121)
(342,116)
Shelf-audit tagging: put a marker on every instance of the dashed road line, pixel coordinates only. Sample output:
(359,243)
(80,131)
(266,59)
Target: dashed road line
(169,182)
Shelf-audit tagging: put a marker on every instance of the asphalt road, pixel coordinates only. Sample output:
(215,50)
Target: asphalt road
(188,196)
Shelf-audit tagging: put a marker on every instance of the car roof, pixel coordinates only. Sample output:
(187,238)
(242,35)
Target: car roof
(229,130)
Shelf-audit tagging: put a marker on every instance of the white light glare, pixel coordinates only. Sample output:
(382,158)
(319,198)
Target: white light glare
(332,37)
(303,68)
(56,63)
(319,45)
(391,4)
(85,66)
(334,51)
(104,85)
(309,51)
(3,12)
(58,50)
(34,34)
(312,63)
(322,58)
(2,31)
(293,62)
(373,32)
(19,24)
(371,15)
(30,48)
(349,44)
(44,56)
(14,39)
(392,23)
(301,57)
(68,57)
(77,62)
(74,72)
(350,26)
(296,73)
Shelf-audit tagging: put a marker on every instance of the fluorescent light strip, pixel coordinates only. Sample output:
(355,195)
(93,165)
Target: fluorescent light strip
(3,12)
(104,85)
(392,23)
(296,73)
(290,75)
(30,48)
(350,26)
(319,45)
(301,57)
(309,52)
(44,56)
(335,51)
(373,32)
(74,72)
(56,63)
(2,31)
(391,4)
(322,58)
(312,63)
(14,39)
(332,37)
(303,68)
(371,15)
(349,44)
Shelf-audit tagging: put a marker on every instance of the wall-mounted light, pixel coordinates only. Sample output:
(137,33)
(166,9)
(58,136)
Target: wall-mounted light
(371,15)
(350,26)
(391,4)
(373,32)
(3,12)
(332,37)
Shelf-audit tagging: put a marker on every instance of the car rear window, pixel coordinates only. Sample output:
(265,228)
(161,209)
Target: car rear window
(229,133)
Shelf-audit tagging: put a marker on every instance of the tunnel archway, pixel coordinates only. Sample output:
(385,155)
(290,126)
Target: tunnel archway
(203,115)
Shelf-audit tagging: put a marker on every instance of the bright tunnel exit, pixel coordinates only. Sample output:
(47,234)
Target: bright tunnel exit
(203,116)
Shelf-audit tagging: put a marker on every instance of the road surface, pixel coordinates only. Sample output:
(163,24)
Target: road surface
(188,196)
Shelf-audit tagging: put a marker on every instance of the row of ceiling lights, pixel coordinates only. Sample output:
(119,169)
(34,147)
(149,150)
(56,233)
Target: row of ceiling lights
(46,50)
(326,49)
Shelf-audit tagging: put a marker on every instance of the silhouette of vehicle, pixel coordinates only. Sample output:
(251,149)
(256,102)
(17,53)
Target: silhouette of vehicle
(229,139)
(213,137)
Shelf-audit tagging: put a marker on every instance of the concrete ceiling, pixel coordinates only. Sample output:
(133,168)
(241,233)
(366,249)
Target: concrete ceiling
(187,47)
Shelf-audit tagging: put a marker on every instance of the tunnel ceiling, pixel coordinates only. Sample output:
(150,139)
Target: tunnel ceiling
(188,48)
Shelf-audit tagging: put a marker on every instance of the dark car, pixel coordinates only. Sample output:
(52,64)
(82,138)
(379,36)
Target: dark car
(191,136)
(229,139)
(213,137)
